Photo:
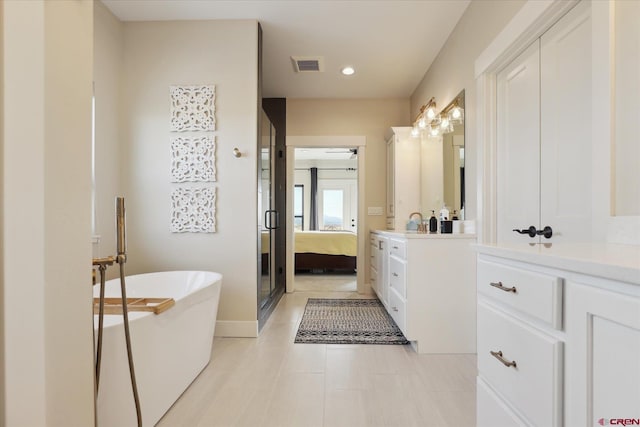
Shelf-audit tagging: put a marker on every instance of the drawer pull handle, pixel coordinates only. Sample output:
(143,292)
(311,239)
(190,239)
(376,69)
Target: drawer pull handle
(394,308)
(394,274)
(500,286)
(395,247)
(505,362)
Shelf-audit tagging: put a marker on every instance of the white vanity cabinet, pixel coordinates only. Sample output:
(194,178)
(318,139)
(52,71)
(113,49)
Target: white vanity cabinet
(403,172)
(431,292)
(558,334)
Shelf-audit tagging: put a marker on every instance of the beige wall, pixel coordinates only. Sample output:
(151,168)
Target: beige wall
(107,65)
(453,71)
(354,117)
(47,250)
(160,54)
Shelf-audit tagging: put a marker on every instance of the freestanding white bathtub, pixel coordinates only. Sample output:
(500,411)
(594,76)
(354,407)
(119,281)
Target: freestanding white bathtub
(169,349)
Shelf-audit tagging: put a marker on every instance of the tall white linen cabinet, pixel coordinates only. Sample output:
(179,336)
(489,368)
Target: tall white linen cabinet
(558,302)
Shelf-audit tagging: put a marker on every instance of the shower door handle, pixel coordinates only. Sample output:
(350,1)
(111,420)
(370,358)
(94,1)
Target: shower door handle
(267,219)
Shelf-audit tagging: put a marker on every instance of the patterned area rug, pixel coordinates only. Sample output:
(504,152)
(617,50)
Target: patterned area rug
(347,321)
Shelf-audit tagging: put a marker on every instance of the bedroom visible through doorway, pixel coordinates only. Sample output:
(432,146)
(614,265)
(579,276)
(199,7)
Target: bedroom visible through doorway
(325,216)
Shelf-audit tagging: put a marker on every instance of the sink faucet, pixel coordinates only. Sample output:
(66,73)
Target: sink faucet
(421,227)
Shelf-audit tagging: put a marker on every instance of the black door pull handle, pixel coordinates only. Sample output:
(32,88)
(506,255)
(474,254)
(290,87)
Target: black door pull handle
(547,231)
(531,231)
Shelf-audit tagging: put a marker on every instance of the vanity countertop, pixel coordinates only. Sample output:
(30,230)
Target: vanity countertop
(612,261)
(416,235)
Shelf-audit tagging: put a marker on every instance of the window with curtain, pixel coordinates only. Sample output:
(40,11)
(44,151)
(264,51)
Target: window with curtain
(298,207)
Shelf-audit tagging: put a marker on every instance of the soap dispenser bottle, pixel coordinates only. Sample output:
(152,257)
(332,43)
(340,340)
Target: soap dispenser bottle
(433,223)
(444,214)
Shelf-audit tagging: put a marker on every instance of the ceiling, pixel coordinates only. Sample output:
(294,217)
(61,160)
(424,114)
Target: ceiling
(391,44)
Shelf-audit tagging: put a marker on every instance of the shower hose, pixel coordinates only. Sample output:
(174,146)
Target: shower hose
(125,315)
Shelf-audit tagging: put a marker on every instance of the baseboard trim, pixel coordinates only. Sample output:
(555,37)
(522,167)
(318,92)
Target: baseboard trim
(237,328)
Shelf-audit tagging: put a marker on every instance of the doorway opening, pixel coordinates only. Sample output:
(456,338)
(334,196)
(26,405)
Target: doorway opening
(325,218)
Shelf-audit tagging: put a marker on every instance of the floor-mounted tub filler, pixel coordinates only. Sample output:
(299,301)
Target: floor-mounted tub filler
(169,349)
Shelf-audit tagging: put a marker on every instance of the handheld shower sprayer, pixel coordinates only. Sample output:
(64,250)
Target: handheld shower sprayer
(121,238)
(121,258)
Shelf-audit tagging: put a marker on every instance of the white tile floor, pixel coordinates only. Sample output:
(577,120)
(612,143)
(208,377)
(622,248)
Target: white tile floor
(270,381)
(306,282)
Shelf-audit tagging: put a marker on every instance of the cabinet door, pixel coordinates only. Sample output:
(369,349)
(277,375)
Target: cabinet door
(391,177)
(565,140)
(603,355)
(544,145)
(518,145)
(383,270)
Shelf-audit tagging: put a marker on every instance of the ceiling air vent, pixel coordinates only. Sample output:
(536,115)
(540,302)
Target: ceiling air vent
(307,64)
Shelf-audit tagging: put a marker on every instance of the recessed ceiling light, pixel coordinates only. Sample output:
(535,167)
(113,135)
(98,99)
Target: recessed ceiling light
(348,71)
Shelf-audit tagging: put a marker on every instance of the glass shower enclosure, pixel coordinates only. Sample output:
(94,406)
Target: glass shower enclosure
(269,289)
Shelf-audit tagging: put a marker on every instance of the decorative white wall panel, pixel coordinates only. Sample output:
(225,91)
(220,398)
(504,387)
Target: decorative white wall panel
(193,159)
(193,210)
(192,108)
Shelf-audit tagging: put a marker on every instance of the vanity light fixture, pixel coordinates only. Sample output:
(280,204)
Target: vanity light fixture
(348,71)
(437,124)
(422,123)
(456,114)
(430,112)
(445,124)
(425,116)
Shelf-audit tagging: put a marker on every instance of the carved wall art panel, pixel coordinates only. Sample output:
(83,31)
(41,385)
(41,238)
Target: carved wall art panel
(193,210)
(193,159)
(192,108)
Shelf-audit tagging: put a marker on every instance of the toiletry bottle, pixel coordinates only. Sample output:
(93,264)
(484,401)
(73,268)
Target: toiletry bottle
(433,223)
(444,214)
(454,217)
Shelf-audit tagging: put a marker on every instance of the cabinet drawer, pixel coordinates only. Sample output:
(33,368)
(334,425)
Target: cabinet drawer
(374,255)
(533,384)
(397,275)
(397,310)
(492,410)
(398,248)
(537,294)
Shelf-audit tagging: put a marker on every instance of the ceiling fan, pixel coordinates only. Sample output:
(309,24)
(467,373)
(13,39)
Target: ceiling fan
(353,151)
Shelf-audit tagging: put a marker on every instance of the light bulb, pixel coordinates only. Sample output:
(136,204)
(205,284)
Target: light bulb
(434,131)
(444,123)
(422,123)
(430,113)
(415,132)
(456,115)
(348,71)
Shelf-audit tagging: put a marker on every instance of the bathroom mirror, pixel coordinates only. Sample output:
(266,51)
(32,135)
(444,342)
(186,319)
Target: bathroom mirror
(442,164)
